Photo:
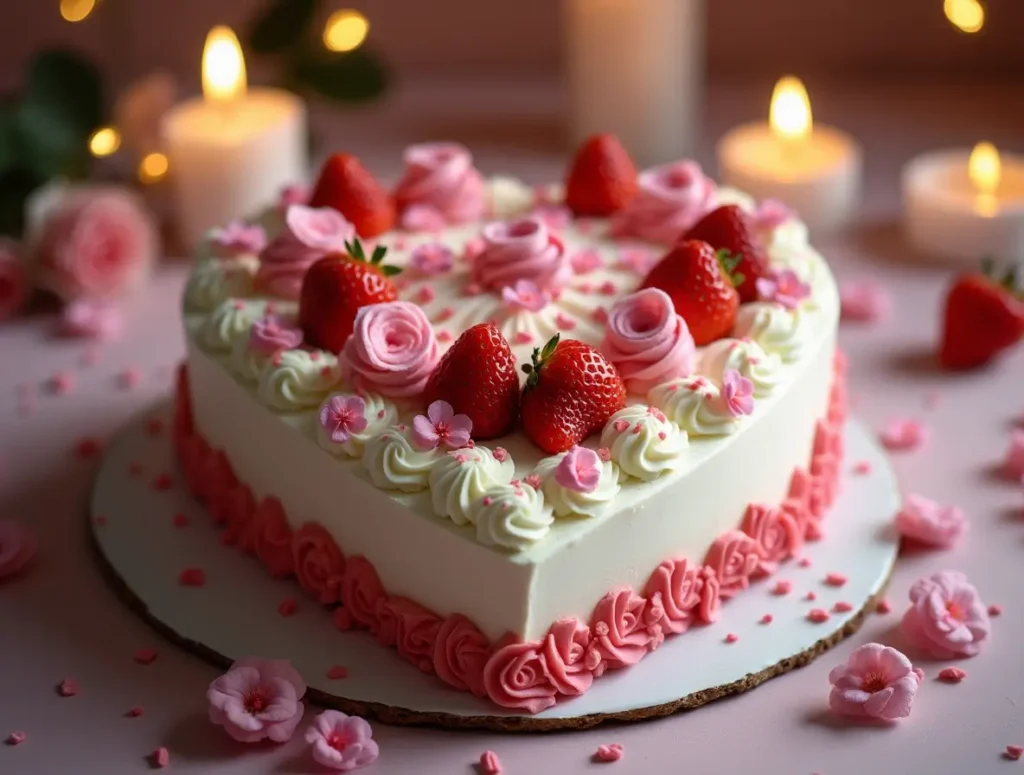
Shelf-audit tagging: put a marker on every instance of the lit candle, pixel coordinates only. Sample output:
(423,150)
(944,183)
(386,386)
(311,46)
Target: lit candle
(962,206)
(815,169)
(231,151)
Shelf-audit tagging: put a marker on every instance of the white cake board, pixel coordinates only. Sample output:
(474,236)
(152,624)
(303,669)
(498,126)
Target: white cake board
(235,614)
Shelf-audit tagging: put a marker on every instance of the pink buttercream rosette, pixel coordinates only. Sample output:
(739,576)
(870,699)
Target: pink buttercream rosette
(392,350)
(13,282)
(946,617)
(440,187)
(309,235)
(647,342)
(524,249)
(670,199)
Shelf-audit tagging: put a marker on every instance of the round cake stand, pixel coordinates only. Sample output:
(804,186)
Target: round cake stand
(147,529)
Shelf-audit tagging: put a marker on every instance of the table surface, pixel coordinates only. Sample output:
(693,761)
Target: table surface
(63,621)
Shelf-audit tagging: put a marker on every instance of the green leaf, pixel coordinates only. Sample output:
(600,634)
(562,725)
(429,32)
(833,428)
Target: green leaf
(390,271)
(16,183)
(281,26)
(355,76)
(378,254)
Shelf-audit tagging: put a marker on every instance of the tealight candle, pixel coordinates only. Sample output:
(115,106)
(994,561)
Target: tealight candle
(962,206)
(232,150)
(814,169)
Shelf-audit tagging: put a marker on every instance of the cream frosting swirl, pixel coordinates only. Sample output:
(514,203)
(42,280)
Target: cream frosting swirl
(298,379)
(776,329)
(460,477)
(439,182)
(669,200)
(566,500)
(644,442)
(244,362)
(380,414)
(229,321)
(694,404)
(309,235)
(214,281)
(512,516)
(748,358)
(647,342)
(521,250)
(393,463)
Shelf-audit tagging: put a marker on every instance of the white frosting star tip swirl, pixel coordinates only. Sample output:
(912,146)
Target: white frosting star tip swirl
(513,516)
(644,442)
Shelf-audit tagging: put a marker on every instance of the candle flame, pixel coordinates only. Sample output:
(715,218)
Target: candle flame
(223,66)
(966,15)
(790,113)
(985,168)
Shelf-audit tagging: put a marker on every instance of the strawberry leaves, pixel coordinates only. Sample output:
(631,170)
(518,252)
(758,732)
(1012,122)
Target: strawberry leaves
(355,249)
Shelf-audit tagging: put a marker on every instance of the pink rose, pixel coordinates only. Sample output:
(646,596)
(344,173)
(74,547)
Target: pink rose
(309,235)
(271,538)
(319,563)
(676,585)
(776,535)
(95,242)
(18,546)
(647,342)
(342,742)
(215,479)
(670,199)
(411,628)
(440,185)
(13,282)
(257,699)
(517,676)
(565,651)
(460,653)
(877,681)
(392,350)
(946,617)
(733,557)
(361,591)
(710,600)
(521,250)
(930,523)
(620,628)
(238,507)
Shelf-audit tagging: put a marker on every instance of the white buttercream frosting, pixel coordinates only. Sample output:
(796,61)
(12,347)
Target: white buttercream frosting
(214,281)
(565,500)
(644,442)
(512,516)
(748,358)
(244,362)
(230,321)
(298,379)
(380,414)
(777,329)
(509,197)
(694,404)
(460,477)
(394,463)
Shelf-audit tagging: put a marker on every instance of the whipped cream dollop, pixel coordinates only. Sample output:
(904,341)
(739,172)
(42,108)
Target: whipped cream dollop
(461,476)
(298,379)
(214,281)
(509,197)
(573,500)
(380,414)
(647,342)
(512,516)
(644,442)
(694,404)
(244,362)
(746,357)
(230,320)
(777,329)
(524,249)
(440,187)
(309,234)
(669,200)
(394,463)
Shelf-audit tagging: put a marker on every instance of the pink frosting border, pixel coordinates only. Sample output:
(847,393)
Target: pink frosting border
(527,676)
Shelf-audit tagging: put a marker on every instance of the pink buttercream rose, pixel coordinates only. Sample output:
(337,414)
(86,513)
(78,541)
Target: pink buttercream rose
(669,200)
(710,599)
(392,350)
(361,592)
(411,628)
(460,653)
(647,342)
(270,538)
(776,533)
(95,242)
(319,563)
(565,654)
(621,628)
(521,250)
(946,617)
(877,681)
(238,506)
(734,557)
(257,699)
(440,187)
(13,281)
(309,235)
(18,546)
(676,586)
(342,742)
(517,676)
(929,523)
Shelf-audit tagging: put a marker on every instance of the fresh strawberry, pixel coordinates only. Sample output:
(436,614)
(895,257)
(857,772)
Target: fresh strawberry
(478,377)
(602,178)
(982,318)
(334,289)
(728,228)
(698,280)
(571,392)
(349,188)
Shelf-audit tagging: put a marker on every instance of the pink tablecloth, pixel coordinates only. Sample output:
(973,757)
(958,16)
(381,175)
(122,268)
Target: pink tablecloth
(62,621)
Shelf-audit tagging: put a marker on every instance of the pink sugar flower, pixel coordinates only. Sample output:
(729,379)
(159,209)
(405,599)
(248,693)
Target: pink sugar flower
(272,334)
(1013,466)
(525,295)
(585,261)
(341,416)
(862,301)
(432,258)
(930,523)
(946,617)
(769,214)
(903,434)
(877,681)
(783,287)
(737,393)
(579,470)
(441,426)
(257,699)
(238,239)
(342,742)
(91,318)
(14,283)
(18,546)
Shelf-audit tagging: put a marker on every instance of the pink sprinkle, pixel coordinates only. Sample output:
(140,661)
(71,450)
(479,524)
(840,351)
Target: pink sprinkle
(883,606)
(932,399)
(87,447)
(342,618)
(607,288)
(161,757)
(100,520)
(818,615)
(472,289)
(61,383)
(129,378)
(604,453)
(732,637)
(67,688)
(134,711)
(620,426)
(444,336)
(489,763)
(192,577)
(995,610)
(903,434)
(811,596)
(444,314)
(146,656)
(835,579)
(426,294)
(862,467)
(564,322)
(288,606)
(767,619)
(782,587)
(180,520)
(522,337)
(608,753)
(337,672)
(162,482)
(1014,752)
(89,357)
(16,738)
(534,481)
(952,675)
(500,454)
(842,607)
(134,469)
(804,562)
(600,315)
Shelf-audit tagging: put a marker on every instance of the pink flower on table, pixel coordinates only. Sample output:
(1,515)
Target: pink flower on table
(946,617)
(257,699)
(670,199)
(294,194)
(903,434)
(432,258)
(1013,466)
(525,295)
(90,318)
(783,287)
(862,301)
(309,235)
(272,334)
(392,350)
(441,426)
(238,238)
(737,393)
(18,546)
(13,281)
(579,470)
(930,523)
(342,742)
(877,681)
(769,214)
(440,187)
(341,416)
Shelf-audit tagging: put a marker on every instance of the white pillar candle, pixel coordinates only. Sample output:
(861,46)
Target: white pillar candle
(231,151)
(636,69)
(814,169)
(961,205)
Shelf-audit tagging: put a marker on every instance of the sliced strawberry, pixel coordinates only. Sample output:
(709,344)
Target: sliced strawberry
(982,318)
(602,178)
(728,228)
(349,188)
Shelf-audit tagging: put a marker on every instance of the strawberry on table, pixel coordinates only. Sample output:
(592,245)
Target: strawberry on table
(349,188)
(728,228)
(571,391)
(983,317)
(478,377)
(602,178)
(334,289)
(697,278)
